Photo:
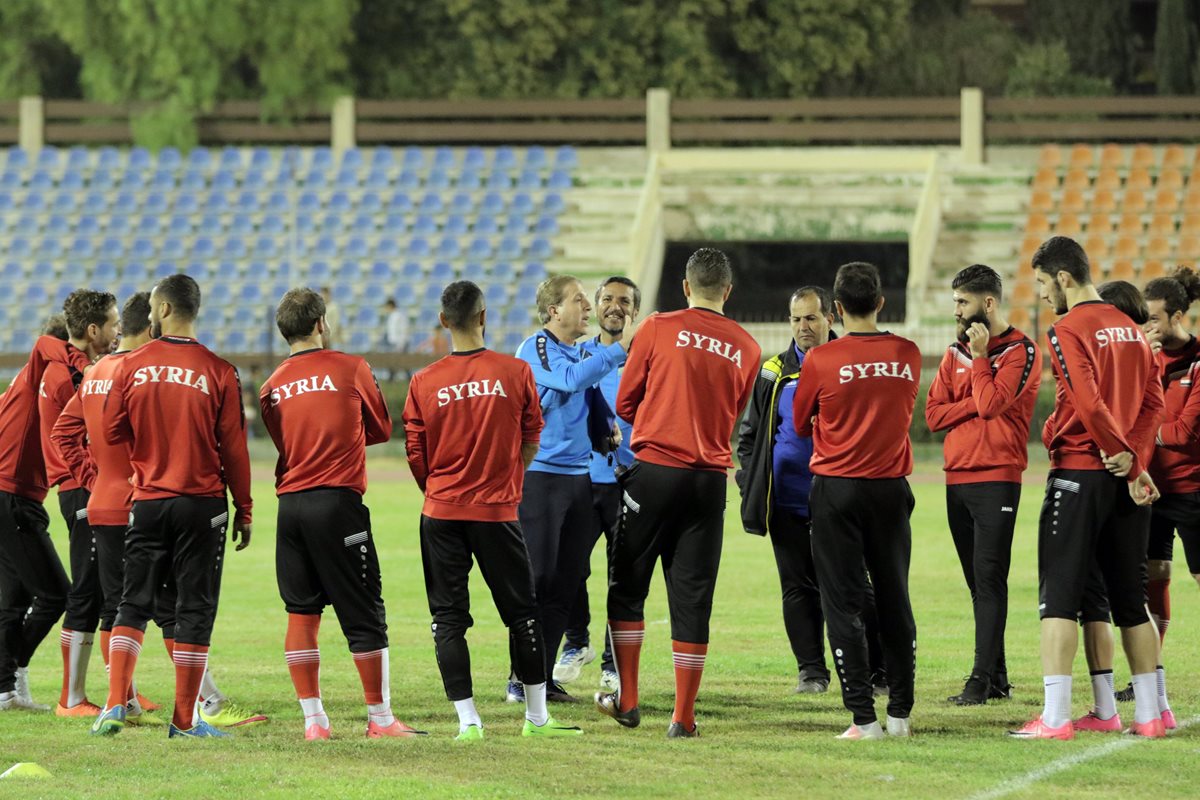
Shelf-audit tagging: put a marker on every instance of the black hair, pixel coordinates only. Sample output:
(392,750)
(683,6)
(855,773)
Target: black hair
(135,314)
(1126,298)
(621,279)
(857,288)
(821,293)
(298,312)
(461,301)
(1177,291)
(182,292)
(978,279)
(1063,254)
(84,307)
(709,272)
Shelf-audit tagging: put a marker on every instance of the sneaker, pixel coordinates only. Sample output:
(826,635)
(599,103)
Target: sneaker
(396,730)
(898,726)
(315,733)
(24,698)
(1125,695)
(1001,689)
(472,733)
(201,730)
(147,704)
(84,709)
(1092,723)
(550,728)
(230,715)
(1168,718)
(109,721)
(879,684)
(1154,729)
(811,685)
(143,717)
(859,732)
(555,693)
(608,705)
(677,731)
(515,693)
(8,701)
(571,663)
(1036,729)
(609,681)
(975,693)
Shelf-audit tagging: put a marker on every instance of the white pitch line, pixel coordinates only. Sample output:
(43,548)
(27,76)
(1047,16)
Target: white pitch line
(1065,763)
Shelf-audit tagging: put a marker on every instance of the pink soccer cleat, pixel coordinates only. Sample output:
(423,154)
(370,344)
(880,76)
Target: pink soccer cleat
(1091,722)
(315,732)
(857,733)
(1168,720)
(1154,729)
(1036,729)
(396,729)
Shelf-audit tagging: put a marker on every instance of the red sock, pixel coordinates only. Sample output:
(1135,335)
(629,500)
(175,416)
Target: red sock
(627,640)
(105,636)
(1158,596)
(123,648)
(303,657)
(689,668)
(371,670)
(190,661)
(64,641)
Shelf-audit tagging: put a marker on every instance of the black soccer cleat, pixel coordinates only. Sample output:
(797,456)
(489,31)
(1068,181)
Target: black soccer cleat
(1000,691)
(555,693)
(975,693)
(1125,695)
(606,703)
(677,731)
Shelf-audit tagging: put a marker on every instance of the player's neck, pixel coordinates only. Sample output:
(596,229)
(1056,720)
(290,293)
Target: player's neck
(1176,339)
(307,343)
(997,325)
(561,333)
(703,302)
(82,344)
(466,341)
(129,343)
(865,324)
(1081,294)
(180,330)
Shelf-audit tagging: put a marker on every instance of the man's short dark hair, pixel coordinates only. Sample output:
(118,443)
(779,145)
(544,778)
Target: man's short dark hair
(1063,254)
(857,288)
(621,279)
(461,301)
(182,292)
(978,279)
(56,326)
(135,314)
(1126,298)
(820,292)
(298,312)
(708,272)
(84,307)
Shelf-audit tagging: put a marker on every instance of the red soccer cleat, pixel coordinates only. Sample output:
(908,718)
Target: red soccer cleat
(315,733)
(1154,729)
(1091,722)
(1168,720)
(146,703)
(396,729)
(1036,729)
(83,709)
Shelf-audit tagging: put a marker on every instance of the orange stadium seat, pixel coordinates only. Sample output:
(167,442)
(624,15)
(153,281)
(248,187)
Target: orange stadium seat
(1108,179)
(1139,178)
(1037,223)
(1046,180)
(1170,178)
(1041,201)
(1151,269)
(1130,224)
(1068,224)
(1166,200)
(1073,201)
(1174,157)
(1104,200)
(1024,293)
(1126,247)
(1046,318)
(1162,225)
(1189,247)
(1191,223)
(1121,270)
(1111,156)
(1143,156)
(1096,246)
(1191,200)
(1081,156)
(1018,317)
(1100,223)
(1134,200)
(1158,247)
(1077,179)
(1050,156)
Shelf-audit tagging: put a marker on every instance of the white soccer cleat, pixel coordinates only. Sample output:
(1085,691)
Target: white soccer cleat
(571,663)
(898,726)
(859,732)
(24,698)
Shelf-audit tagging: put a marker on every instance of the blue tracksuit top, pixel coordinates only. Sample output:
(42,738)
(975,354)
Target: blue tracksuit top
(602,466)
(563,372)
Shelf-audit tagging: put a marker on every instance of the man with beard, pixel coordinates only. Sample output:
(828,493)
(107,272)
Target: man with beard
(983,397)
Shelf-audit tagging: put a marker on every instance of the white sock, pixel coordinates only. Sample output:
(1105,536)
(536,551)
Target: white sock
(467,715)
(1102,694)
(314,712)
(380,714)
(79,650)
(1145,698)
(211,694)
(133,707)
(6,696)
(535,703)
(1057,710)
(1163,705)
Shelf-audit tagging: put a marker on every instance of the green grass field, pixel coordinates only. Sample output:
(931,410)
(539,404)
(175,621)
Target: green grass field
(758,740)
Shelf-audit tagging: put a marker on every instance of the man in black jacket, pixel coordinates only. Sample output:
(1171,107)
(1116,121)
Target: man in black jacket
(774,481)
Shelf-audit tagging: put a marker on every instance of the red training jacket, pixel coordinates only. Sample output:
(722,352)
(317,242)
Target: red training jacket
(986,404)
(862,389)
(1108,395)
(688,376)
(58,387)
(1176,464)
(322,408)
(465,419)
(180,407)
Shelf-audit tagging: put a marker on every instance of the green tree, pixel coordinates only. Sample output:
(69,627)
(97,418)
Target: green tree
(1174,47)
(32,59)
(1098,34)
(1043,69)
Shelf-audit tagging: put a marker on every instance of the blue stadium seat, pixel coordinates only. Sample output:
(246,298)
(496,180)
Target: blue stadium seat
(155,203)
(133,179)
(409,179)
(433,294)
(47,158)
(535,157)
(72,180)
(321,157)
(326,247)
(496,295)
(260,158)
(128,289)
(217,203)
(364,224)
(504,159)
(469,180)
(332,224)
(251,294)
(254,179)
(480,248)
(111,248)
(247,201)
(394,223)
(309,201)
(11,180)
(559,179)
(414,157)
(223,271)
(169,158)
(105,273)
(377,179)
(370,202)
(234,248)
(58,225)
(88,225)
(356,248)
(443,158)
(427,317)
(194,182)
(241,225)
(380,271)
(179,225)
(95,202)
(493,204)
(366,316)
(461,203)
(125,203)
(78,157)
(27,225)
(265,247)
(518,315)
(546,226)
(516,225)
(400,203)
(231,158)
(382,158)
(315,179)
(530,180)
(525,296)
(81,248)
(359,342)
(219,294)
(63,292)
(474,159)
(199,158)
(186,202)
(224,181)
(411,271)
(512,340)
(438,179)
(346,178)
(319,271)
(163,181)
(448,248)
(203,247)
(65,201)
(233,341)
(139,158)
(540,248)
(164,269)
(424,226)
(339,201)
(351,157)
(473,271)
(387,248)
(441,272)
(34,201)
(273,224)
(74,272)
(137,271)
(405,295)
(343,293)
(509,248)
(566,158)
(486,225)
(35,294)
(50,247)
(148,225)
(499,181)
(431,203)
(535,271)
(522,203)
(277,202)
(210,225)
(142,248)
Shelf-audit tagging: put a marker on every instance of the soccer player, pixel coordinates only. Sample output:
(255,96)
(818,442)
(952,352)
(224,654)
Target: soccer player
(322,408)
(855,398)
(179,407)
(105,471)
(33,584)
(556,505)
(617,302)
(1108,399)
(471,423)
(91,319)
(689,376)
(983,397)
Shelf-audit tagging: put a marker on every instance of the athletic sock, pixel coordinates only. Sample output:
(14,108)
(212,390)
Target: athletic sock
(190,663)
(303,656)
(1057,710)
(123,650)
(689,669)
(1145,698)
(373,671)
(209,692)
(1163,705)
(467,714)
(1105,702)
(535,703)
(1158,598)
(314,712)
(76,650)
(105,638)
(627,638)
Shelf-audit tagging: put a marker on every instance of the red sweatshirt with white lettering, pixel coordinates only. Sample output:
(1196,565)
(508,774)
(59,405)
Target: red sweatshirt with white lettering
(1108,395)
(179,406)
(688,376)
(465,419)
(1176,464)
(861,389)
(322,408)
